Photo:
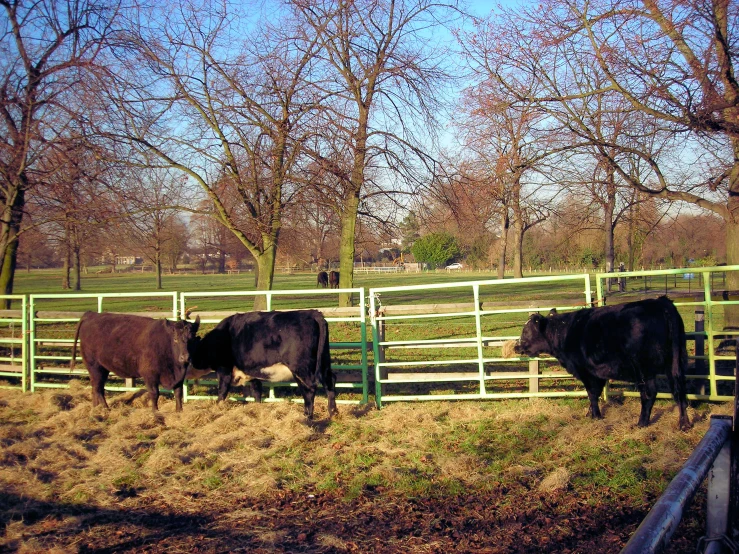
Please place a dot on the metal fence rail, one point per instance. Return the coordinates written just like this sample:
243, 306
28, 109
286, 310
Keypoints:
702, 290
51, 333
711, 455
477, 369
13, 344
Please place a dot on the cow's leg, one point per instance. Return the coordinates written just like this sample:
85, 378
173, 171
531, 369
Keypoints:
309, 395
178, 397
330, 386
677, 385
153, 389
648, 393
594, 386
256, 390
98, 377
224, 382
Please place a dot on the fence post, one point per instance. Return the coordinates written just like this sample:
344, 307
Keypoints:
700, 365
534, 381
717, 501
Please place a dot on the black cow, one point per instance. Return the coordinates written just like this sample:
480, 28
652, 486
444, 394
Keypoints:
635, 342
322, 279
333, 279
271, 346
156, 350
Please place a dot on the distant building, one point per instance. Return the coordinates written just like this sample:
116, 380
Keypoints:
128, 260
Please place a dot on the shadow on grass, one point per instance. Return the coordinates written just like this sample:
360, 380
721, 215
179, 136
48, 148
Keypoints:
91, 528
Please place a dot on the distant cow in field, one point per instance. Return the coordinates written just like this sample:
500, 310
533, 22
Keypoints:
635, 342
155, 350
322, 279
333, 279
271, 346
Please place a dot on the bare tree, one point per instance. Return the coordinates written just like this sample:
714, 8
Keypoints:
228, 113
388, 74
673, 62
46, 49
72, 202
150, 201
510, 142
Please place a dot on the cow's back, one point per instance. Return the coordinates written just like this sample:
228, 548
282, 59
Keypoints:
119, 342
627, 341
259, 338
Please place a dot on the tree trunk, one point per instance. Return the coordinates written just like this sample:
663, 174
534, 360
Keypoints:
265, 272
630, 242
505, 224
8, 270
158, 268
346, 248
66, 283
518, 229
610, 255
731, 313
10, 248
77, 267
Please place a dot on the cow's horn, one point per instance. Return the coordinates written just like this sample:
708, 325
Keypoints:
188, 311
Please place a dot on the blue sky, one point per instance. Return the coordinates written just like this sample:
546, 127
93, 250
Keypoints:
484, 7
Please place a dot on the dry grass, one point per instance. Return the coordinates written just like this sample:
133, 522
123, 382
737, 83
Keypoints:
60, 458
507, 349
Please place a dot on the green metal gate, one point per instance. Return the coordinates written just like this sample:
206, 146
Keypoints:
492, 312
701, 295
53, 319
14, 344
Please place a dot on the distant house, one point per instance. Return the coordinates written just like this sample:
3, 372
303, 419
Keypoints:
128, 260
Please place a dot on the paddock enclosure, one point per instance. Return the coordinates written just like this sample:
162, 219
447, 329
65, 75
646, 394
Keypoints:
431, 476
402, 342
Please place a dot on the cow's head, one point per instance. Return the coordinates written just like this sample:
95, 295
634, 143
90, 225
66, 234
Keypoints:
533, 339
184, 339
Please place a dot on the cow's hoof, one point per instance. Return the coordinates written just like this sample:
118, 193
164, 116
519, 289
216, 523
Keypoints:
685, 425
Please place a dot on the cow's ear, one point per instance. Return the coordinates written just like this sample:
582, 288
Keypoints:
196, 325
552, 312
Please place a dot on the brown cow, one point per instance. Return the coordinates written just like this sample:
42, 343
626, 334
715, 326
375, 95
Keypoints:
156, 350
333, 279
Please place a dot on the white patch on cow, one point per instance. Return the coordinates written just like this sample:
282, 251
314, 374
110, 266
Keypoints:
273, 373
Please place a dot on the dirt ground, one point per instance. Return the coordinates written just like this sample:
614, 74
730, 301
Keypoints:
74, 480
288, 522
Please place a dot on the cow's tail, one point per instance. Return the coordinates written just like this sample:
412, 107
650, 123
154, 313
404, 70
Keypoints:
676, 375
73, 361
323, 354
